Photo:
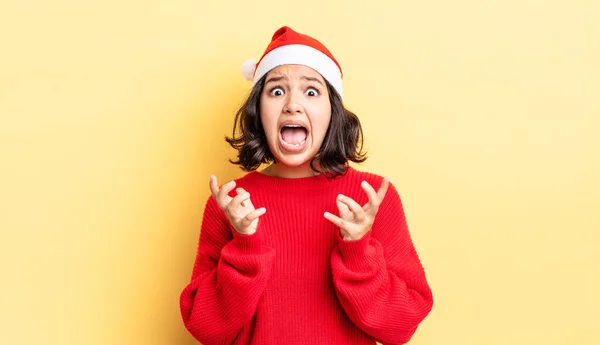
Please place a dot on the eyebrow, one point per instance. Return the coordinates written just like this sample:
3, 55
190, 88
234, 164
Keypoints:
312, 79
276, 79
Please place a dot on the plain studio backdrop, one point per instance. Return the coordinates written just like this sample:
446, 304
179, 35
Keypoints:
485, 114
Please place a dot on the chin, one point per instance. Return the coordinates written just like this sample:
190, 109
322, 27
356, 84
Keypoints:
293, 162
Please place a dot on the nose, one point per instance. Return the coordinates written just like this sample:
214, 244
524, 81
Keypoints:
292, 106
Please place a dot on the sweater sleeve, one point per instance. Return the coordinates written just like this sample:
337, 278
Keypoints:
379, 279
230, 274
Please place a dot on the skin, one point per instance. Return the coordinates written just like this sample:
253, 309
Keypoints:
297, 92
239, 210
355, 220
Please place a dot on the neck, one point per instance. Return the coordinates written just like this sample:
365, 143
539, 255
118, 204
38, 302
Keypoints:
283, 171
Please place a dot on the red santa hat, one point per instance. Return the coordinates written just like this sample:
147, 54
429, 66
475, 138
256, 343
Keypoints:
289, 47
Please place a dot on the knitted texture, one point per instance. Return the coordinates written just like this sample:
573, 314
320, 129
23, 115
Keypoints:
296, 281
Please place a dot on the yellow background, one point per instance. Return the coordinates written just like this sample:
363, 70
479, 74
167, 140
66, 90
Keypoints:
485, 114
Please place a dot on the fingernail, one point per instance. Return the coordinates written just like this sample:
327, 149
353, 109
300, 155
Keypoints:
340, 196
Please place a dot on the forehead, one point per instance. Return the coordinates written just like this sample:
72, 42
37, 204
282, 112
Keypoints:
295, 71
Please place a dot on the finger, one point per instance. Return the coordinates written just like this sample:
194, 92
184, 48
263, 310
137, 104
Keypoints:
235, 202
342, 224
383, 188
224, 191
349, 203
252, 216
371, 194
248, 203
343, 208
241, 190
245, 203
214, 186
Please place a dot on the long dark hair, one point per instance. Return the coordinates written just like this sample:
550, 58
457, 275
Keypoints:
343, 140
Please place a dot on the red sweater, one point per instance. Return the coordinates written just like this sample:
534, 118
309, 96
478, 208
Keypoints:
296, 281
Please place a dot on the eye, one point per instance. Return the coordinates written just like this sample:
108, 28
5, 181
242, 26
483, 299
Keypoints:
276, 91
312, 92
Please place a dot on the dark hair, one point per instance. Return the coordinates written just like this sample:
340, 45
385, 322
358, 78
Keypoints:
343, 140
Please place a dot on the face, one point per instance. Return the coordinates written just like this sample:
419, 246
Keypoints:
295, 112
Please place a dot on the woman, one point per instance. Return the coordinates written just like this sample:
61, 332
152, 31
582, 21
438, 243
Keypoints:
323, 258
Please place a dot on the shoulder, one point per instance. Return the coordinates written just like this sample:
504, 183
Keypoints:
373, 179
351, 184
391, 208
250, 179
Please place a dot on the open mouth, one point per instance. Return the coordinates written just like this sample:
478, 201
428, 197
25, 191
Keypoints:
293, 137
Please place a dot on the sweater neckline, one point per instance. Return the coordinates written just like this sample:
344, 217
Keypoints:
274, 181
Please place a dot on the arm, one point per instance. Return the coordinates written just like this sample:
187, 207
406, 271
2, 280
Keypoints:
229, 276
379, 279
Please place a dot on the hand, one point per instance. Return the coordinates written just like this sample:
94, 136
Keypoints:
239, 210
355, 221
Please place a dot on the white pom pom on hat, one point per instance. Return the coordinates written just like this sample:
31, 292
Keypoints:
248, 69
290, 47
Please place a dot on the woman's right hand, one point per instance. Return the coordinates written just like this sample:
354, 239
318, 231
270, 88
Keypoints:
239, 210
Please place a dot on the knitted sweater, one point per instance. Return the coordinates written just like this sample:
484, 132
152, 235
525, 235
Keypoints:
296, 281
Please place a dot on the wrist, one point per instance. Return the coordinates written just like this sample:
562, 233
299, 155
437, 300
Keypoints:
247, 242
359, 254
349, 237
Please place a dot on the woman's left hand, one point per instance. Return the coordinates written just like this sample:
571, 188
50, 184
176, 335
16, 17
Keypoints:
355, 221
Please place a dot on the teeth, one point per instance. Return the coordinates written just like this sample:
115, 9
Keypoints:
296, 145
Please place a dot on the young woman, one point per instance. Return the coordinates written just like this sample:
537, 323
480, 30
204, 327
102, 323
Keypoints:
308, 250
